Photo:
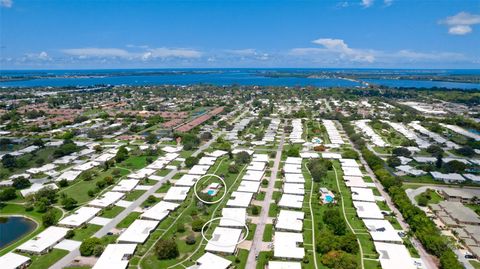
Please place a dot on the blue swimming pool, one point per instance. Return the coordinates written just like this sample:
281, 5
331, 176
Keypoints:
211, 192
328, 199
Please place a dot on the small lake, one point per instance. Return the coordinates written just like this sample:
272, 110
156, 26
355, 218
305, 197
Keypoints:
14, 228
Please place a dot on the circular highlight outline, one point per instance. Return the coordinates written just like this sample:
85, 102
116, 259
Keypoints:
206, 202
220, 245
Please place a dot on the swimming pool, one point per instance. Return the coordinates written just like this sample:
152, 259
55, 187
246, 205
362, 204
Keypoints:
328, 199
211, 192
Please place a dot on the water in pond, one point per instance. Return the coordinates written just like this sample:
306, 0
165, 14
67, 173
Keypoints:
14, 228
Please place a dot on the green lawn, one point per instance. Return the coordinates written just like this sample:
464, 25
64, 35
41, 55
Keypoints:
133, 195
112, 212
85, 232
268, 233
45, 261
128, 220
475, 264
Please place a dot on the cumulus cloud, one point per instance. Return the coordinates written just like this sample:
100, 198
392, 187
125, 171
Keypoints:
461, 23
340, 47
367, 3
6, 3
242, 52
337, 52
96, 52
145, 55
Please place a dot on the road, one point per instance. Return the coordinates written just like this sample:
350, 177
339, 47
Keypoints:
258, 237
65, 261
428, 260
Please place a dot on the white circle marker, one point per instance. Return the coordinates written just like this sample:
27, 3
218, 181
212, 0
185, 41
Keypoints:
220, 245
207, 202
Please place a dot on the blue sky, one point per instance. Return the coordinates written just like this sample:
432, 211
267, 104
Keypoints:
74, 34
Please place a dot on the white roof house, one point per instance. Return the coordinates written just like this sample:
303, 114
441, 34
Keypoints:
349, 163
292, 168
224, 240
257, 157
352, 181
394, 256
293, 160
70, 175
286, 245
368, 210
80, 216
86, 166
284, 265
171, 149
249, 186
233, 217
257, 166
452, 177
309, 155
13, 261
36, 187
126, 185
294, 178
253, 175
138, 231
240, 199
330, 155
115, 256
187, 180
289, 220
352, 171
107, 199
294, 188
217, 153
44, 241
362, 194
410, 170
176, 194
211, 261
291, 201
159, 211
42, 169
142, 173
207, 161
199, 169
382, 230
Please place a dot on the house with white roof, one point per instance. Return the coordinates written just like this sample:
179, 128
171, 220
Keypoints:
292, 168
284, 265
233, 217
257, 166
291, 201
115, 256
107, 199
286, 245
249, 186
394, 256
126, 185
187, 180
362, 194
294, 188
240, 199
253, 175
224, 240
451, 177
294, 178
44, 241
288, 220
199, 170
138, 231
368, 210
69, 175
211, 261
382, 231
178, 194
79, 217
159, 211
13, 260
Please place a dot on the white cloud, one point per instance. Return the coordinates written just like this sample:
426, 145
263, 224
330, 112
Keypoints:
42, 56
6, 3
96, 52
340, 47
460, 24
176, 53
388, 2
367, 3
145, 55
242, 52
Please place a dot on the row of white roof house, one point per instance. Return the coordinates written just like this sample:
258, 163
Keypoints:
393, 254
114, 255
239, 126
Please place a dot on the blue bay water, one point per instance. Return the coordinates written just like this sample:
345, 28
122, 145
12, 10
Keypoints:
220, 77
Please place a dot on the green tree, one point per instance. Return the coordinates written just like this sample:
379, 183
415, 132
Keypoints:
7, 194
166, 249
191, 161
21, 183
122, 154
88, 245
49, 218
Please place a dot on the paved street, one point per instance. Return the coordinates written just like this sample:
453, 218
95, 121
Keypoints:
257, 239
